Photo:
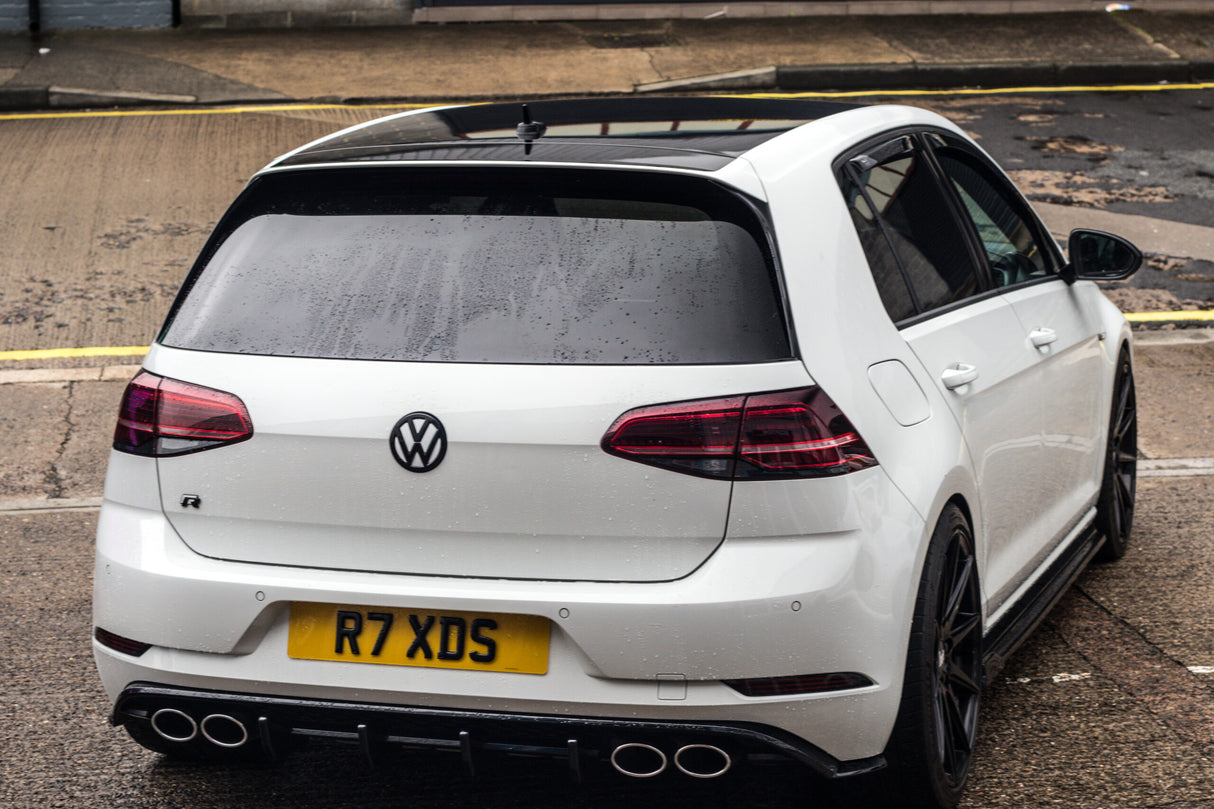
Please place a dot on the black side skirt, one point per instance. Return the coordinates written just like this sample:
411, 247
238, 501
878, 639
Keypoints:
1004, 638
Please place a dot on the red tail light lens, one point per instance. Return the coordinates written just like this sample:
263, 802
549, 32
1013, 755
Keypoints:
791, 434
800, 433
159, 417
700, 438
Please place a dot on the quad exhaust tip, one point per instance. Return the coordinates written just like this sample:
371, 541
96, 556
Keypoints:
702, 761
219, 729
224, 731
633, 759
174, 725
640, 760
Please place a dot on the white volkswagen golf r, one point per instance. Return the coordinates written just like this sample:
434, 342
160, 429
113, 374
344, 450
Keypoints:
663, 433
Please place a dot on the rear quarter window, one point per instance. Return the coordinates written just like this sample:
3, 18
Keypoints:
499, 266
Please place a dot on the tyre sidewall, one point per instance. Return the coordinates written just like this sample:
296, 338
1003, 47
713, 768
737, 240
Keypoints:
916, 768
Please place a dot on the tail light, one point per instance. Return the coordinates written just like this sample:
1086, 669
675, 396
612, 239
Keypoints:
159, 417
791, 434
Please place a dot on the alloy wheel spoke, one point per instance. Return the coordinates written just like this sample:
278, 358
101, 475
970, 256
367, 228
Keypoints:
957, 731
962, 679
960, 588
962, 629
1125, 423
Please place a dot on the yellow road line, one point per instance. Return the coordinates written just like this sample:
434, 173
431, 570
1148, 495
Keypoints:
976, 91
61, 353
132, 351
305, 107
31, 116
1160, 317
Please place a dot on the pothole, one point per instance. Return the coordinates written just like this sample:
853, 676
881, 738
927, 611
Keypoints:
1072, 188
1074, 145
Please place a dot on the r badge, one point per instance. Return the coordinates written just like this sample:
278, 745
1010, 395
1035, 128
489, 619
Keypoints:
418, 442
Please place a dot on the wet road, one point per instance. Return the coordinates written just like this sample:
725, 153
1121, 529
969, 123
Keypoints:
1110, 704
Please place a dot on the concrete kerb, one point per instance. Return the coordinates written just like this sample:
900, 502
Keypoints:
24, 98
988, 74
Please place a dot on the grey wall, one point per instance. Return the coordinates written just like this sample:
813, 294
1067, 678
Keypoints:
14, 14
293, 13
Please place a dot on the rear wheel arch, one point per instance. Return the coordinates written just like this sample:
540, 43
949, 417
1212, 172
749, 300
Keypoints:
931, 746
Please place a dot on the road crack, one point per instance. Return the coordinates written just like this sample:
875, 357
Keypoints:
54, 477
1160, 684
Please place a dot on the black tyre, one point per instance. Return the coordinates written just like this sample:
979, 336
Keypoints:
933, 740
1115, 509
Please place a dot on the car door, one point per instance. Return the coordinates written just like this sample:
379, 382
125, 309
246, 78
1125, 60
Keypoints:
1060, 331
967, 337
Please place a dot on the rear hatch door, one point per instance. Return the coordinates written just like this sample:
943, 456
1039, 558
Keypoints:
521, 490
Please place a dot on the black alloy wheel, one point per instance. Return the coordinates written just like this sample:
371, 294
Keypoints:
958, 656
1115, 509
932, 745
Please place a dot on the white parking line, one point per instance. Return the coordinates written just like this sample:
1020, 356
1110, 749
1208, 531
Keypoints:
1052, 678
1175, 467
44, 505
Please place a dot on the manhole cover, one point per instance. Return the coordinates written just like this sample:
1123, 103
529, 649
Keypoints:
646, 40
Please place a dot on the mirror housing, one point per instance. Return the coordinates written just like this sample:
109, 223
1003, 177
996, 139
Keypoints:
1099, 256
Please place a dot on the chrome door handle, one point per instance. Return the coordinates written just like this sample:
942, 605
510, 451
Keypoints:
1042, 337
957, 375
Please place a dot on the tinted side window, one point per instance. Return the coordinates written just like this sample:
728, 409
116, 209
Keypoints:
1014, 253
887, 273
578, 267
918, 223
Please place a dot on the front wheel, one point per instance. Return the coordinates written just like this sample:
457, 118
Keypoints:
1115, 508
932, 744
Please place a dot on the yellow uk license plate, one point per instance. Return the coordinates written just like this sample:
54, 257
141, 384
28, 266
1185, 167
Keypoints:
408, 637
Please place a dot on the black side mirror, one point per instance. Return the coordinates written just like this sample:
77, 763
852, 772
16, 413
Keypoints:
1099, 256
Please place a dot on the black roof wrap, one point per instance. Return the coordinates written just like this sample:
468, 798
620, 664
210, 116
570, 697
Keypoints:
685, 132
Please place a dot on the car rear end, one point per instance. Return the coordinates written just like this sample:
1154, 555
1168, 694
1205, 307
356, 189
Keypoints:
498, 458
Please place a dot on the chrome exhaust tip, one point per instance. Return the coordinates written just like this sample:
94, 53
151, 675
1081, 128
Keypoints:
174, 725
637, 760
222, 730
702, 760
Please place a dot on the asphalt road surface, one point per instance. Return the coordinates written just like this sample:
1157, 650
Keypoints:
1110, 704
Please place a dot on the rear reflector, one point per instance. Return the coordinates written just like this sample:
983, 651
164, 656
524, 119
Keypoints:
120, 644
790, 434
159, 417
799, 684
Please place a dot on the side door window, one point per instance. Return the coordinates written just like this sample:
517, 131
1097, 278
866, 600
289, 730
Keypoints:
918, 254
1014, 247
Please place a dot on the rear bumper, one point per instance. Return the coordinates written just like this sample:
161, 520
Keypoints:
269, 721
775, 600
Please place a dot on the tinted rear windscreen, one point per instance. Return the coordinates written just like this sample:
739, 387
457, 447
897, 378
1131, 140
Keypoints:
533, 266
